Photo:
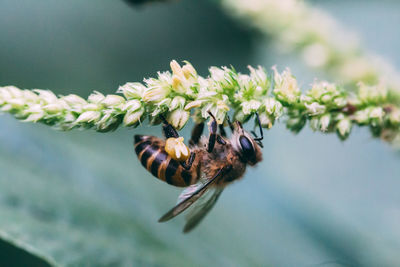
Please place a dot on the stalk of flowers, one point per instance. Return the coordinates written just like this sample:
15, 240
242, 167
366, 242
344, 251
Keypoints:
182, 93
317, 37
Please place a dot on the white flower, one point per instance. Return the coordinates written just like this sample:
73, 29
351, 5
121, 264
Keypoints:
362, 116
177, 102
132, 90
48, 96
286, 86
88, 116
344, 127
193, 104
259, 76
154, 94
377, 113
73, 100
395, 116
324, 122
273, 107
113, 100
217, 74
96, 97
178, 118
315, 108
132, 117
250, 106
132, 105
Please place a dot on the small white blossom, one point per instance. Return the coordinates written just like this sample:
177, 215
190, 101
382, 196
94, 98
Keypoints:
132, 105
377, 113
113, 100
88, 116
132, 117
177, 102
286, 87
96, 97
315, 108
49, 97
324, 122
178, 118
344, 127
132, 90
250, 106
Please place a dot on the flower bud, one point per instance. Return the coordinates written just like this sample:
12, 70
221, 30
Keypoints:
96, 97
132, 117
178, 118
193, 104
132, 90
176, 68
132, 105
47, 96
189, 71
113, 100
324, 122
266, 120
154, 94
315, 108
249, 107
73, 100
344, 127
88, 116
53, 108
177, 102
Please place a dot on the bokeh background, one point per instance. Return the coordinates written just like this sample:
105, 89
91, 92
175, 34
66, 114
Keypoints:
81, 198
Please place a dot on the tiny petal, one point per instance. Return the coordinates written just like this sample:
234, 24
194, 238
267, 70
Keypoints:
315, 108
132, 118
113, 100
88, 116
178, 118
344, 127
177, 102
132, 90
96, 97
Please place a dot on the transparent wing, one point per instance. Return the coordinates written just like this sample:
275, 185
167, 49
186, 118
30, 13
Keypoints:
189, 196
201, 208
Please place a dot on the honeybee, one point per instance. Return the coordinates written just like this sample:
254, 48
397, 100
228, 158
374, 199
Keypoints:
205, 168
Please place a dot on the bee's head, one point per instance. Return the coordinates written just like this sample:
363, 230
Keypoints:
243, 143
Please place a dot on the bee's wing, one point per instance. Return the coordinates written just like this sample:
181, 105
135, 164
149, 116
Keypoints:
189, 196
201, 208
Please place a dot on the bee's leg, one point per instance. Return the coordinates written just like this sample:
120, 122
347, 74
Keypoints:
168, 129
189, 163
222, 130
213, 133
196, 133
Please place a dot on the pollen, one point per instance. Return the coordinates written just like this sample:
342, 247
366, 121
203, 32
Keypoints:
176, 148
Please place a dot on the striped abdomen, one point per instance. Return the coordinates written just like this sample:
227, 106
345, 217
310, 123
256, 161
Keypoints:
151, 153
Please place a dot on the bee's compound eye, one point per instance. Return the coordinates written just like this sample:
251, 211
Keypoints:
176, 148
247, 147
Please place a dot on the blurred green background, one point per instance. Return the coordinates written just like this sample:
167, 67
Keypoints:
81, 198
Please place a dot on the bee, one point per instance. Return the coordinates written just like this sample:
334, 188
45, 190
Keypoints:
205, 168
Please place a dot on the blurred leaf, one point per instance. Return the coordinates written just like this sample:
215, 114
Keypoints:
20, 254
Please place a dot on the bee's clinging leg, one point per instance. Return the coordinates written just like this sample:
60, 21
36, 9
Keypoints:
213, 133
189, 163
222, 130
196, 133
168, 129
